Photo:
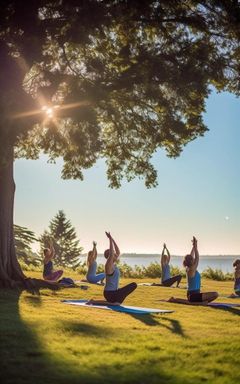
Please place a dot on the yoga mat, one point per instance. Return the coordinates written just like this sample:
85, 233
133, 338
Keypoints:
223, 305
213, 304
84, 287
118, 308
159, 285
85, 281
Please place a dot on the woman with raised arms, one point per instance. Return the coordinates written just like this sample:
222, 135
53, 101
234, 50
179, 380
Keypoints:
167, 280
112, 293
48, 271
92, 276
194, 295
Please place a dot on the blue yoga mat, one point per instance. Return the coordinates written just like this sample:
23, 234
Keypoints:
118, 308
223, 305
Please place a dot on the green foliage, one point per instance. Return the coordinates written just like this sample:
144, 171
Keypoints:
217, 274
30, 267
64, 239
23, 241
153, 270
129, 76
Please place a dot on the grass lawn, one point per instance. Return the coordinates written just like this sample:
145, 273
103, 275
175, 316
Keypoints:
45, 341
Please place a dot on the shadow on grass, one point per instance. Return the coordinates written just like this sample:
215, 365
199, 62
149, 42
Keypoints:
152, 320
34, 301
174, 327
146, 319
234, 311
85, 329
24, 359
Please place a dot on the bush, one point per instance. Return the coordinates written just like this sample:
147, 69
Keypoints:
217, 274
128, 271
30, 267
152, 271
82, 268
177, 271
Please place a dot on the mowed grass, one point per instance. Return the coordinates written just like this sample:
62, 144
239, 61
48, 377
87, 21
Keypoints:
46, 341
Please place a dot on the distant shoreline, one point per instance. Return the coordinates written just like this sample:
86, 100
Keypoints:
135, 255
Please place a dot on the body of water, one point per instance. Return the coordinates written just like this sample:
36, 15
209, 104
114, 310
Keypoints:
216, 262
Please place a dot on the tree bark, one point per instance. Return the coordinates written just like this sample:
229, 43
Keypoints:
11, 274
10, 270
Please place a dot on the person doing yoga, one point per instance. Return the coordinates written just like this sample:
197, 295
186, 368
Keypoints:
92, 276
48, 272
236, 265
166, 279
195, 297
190, 262
112, 293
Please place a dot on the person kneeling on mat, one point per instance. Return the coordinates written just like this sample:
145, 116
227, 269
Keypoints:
166, 278
236, 265
190, 262
113, 294
48, 272
92, 276
111, 291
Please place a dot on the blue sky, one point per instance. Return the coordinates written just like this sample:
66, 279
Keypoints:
198, 194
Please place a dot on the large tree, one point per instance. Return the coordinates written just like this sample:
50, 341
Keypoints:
128, 76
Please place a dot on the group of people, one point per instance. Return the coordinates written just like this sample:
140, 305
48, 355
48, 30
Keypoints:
115, 295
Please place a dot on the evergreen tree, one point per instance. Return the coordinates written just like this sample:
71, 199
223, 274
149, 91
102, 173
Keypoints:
23, 241
64, 239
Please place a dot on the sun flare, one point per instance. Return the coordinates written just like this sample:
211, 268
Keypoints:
50, 110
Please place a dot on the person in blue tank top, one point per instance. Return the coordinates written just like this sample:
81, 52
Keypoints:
236, 265
166, 278
92, 276
112, 293
190, 262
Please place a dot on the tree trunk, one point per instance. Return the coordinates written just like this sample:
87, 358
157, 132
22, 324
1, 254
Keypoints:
11, 274
10, 270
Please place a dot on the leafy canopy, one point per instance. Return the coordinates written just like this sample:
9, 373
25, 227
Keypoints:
129, 76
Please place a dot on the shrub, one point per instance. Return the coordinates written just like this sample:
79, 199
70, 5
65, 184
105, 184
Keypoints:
216, 274
152, 271
30, 267
177, 271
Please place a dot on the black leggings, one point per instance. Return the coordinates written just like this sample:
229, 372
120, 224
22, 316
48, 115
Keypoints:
195, 296
172, 280
120, 294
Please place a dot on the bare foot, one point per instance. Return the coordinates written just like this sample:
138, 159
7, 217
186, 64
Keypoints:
172, 299
233, 296
90, 302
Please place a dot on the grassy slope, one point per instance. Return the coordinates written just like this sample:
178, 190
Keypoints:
46, 341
